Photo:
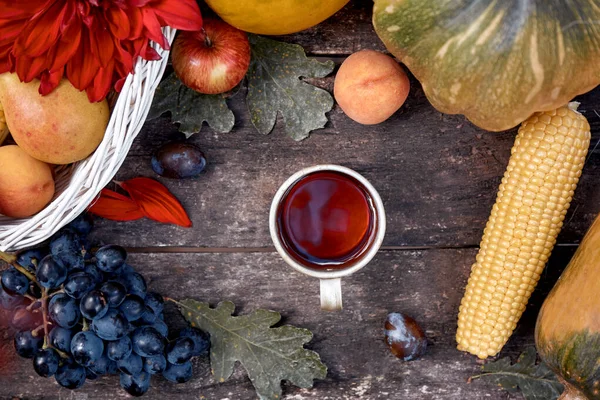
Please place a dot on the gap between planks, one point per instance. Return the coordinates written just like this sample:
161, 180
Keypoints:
271, 249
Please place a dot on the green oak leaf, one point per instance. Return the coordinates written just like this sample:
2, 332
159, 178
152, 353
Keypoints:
190, 108
269, 355
536, 381
274, 85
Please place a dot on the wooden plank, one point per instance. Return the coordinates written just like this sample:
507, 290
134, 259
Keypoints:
425, 284
437, 174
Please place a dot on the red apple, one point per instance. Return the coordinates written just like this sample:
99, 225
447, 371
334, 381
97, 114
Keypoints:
213, 60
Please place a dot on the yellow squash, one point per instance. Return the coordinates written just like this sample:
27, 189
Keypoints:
567, 333
275, 17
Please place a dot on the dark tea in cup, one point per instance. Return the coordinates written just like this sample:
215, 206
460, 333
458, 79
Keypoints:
326, 220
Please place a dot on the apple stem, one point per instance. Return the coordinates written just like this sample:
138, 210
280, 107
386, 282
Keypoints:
207, 40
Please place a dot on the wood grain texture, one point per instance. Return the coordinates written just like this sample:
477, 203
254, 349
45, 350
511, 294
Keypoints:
346, 32
437, 175
424, 284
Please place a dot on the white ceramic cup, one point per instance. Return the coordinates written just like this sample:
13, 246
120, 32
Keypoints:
331, 287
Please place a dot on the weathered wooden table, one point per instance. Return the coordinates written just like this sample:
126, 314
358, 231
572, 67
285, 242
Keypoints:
437, 175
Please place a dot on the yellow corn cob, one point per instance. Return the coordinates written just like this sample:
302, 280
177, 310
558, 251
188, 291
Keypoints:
533, 198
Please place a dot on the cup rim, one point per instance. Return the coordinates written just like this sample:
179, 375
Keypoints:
366, 257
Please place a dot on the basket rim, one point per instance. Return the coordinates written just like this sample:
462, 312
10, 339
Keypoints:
79, 184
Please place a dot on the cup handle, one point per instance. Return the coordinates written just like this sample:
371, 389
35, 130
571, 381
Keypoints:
331, 294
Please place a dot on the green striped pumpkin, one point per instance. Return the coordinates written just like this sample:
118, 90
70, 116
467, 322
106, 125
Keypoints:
495, 61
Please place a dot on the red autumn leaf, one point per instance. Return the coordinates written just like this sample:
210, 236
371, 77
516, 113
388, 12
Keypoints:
116, 207
156, 201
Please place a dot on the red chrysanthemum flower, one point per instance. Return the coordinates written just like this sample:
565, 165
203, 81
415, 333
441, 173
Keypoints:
93, 43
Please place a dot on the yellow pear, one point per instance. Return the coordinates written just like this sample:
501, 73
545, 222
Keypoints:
59, 128
26, 184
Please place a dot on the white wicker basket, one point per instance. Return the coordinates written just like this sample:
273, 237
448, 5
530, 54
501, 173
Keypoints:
77, 185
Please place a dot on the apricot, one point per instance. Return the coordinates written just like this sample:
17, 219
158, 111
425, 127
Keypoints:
370, 87
59, 128
26, 184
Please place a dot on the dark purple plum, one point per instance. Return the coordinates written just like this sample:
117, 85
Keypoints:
178, 160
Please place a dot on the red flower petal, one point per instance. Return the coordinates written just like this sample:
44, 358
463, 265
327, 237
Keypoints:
116, 207
136, 22
136, 46
156, 201
7, 61
70, 15
30, 68
50, 80
68, 44
10, 10
139, 3
183, 14
119, 84
10, 30
123, 58
83, 8
119, 22
102, 83
82, 68
101, 45
4, 51
94, 43
5, 64
147, 52
41, 31
152, 27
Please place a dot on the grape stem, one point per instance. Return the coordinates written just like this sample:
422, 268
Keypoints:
55, 293
44, 300
12, 260
37, 330
22, 270
85, 325
35, 301
30, 297
8, 258
60, 353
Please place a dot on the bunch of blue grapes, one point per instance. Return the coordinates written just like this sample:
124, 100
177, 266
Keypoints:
81, 315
